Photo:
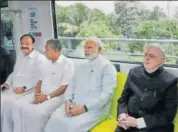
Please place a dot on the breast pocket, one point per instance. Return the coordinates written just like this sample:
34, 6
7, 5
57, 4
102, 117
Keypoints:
96, 80
56, 78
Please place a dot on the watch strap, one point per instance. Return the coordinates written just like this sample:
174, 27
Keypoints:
85, 107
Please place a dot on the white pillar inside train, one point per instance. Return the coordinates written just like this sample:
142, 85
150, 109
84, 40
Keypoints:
23, 13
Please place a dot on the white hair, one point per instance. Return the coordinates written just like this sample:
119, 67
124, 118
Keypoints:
96, 40
155, 45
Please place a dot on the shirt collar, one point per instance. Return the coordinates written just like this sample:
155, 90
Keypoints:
95, 59
59, 60
32, 54
155, 73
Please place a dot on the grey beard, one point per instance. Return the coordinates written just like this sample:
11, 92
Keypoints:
91, 57
152, 70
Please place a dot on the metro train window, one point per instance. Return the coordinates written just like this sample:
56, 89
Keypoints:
123, 26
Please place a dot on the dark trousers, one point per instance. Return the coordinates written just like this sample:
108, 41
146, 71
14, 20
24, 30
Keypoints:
118, 129
169, 128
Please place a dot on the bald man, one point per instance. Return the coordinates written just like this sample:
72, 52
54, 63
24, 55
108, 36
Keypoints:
25, 74
88, 95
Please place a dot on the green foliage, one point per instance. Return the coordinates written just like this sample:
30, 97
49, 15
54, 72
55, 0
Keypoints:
130, 19
71, 18
154, 30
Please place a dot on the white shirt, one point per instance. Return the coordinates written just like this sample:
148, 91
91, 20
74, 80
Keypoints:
26, 70
53, 75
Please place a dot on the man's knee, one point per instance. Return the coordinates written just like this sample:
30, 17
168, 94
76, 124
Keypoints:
7, 103
74, 127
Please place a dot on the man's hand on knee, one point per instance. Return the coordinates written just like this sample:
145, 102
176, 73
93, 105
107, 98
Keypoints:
4, 86
68, 107
40, 98
78, 109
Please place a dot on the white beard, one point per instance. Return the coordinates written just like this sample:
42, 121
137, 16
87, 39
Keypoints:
152, 70
91, 57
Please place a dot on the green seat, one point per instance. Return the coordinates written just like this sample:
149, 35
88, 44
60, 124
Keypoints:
109, 124
176, 123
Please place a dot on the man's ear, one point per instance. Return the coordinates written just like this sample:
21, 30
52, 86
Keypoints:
163, 60
100, 49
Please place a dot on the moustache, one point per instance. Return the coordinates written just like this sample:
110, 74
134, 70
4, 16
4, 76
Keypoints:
24, 48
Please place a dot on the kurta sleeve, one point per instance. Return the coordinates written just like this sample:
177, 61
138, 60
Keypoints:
123, 101
168, 113
108, 84
68, 72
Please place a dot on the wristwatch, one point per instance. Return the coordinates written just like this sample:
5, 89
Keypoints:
48, 97
85, 107
24, 87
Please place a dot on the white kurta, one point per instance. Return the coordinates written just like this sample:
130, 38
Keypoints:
25, 73
92, 85
29, 117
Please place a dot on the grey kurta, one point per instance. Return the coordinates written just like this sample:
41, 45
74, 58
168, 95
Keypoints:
92, 85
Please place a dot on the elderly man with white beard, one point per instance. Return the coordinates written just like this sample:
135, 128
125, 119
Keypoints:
89, 94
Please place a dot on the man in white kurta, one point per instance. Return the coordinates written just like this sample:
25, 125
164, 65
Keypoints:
88, 96
31, 113
25, 74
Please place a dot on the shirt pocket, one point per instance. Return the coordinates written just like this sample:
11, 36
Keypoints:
56, 78
96, 80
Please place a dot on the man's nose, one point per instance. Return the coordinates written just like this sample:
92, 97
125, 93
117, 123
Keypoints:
147, 58
86, 50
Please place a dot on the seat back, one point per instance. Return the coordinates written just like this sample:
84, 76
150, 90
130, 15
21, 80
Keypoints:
121, 79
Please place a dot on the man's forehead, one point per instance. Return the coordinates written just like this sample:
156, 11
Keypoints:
90, 43
152, 50
26, 38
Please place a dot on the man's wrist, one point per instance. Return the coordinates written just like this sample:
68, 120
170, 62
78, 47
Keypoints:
48, 97
141, 123
122, 115
6, 84
24, 87
85, 107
